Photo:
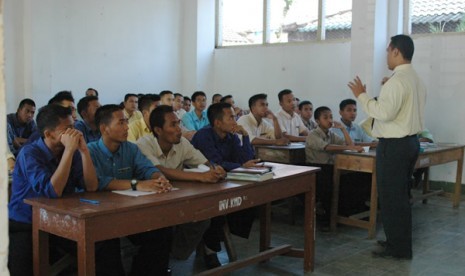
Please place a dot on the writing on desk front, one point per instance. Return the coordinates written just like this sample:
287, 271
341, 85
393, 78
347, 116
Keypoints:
230, 202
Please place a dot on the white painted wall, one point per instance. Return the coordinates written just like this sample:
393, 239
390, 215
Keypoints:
115, 46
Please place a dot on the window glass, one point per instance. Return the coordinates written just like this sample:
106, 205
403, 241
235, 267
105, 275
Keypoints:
293, 20
437, 16
242, 22
338, 19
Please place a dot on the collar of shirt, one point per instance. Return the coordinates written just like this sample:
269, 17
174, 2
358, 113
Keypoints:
402, 67
348, 126
253, 120
203, 115
218, 139
285, 114
321, 132
105, 150
159, 151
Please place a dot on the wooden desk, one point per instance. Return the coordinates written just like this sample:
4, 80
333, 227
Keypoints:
119, 216
292, 154
366, 162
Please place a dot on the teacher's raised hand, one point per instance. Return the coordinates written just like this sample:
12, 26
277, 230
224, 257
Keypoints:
357, 87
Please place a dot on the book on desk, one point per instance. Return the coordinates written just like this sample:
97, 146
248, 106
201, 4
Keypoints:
251, 174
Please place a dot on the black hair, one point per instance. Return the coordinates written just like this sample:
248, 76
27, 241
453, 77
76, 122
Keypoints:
147, 100
165, 92
282, 93
227, 97
26, 101
301, 104
198, 94
49, 117
404, 44
215, 112
177, 95
215, 95
187, 99
104, 114
62, 96
83, 103
157, 117
346, 102
93, 89
127, 96
319, 111
255, 98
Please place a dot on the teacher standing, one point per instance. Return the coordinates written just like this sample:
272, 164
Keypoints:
399, 116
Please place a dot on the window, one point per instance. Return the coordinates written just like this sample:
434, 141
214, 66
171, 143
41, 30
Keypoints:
437, 16
248, 22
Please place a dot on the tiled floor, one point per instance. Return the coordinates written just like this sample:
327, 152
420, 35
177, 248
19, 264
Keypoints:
438, 246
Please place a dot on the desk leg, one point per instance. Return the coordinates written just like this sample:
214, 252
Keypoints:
265, 227
335, 199
40, 246
373, 206
458, 182
86, 257
309, 228
426, 184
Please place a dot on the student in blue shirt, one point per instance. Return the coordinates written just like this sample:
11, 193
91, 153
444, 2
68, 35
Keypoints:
348, 112
221, 145
55, 164
197, 118
86, 108
121, 166
21, 125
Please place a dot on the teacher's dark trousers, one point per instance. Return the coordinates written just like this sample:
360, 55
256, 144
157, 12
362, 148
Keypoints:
395, 161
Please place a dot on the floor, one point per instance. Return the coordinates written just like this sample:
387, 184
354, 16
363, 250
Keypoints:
438, 246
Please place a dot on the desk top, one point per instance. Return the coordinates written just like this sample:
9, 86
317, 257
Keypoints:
433, 149
112, 202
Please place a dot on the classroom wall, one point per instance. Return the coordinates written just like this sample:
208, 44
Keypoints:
115, 46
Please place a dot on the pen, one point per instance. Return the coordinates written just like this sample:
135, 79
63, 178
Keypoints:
91, 201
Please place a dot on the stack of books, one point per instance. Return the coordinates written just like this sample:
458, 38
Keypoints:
256, 174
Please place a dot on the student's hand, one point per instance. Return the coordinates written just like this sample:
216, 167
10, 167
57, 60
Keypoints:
270, 114
220, 170
356, 148
338, 125
251, 163
82, 144
159, 185
11, 164
70, 139
18, 142
282, 142
211, 176
384, 80
357, 87
240, 130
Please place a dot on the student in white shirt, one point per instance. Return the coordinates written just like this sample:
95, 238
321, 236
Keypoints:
290, 122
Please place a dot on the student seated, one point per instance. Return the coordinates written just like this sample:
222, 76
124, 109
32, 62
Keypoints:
230, 100
260, 131
21, 125
221, 145
141, 127
170, 153
197, 118
87, 107
290, 122
120, 166
130, 104
306, 113
55, 164
91, 92
186, 104
166, 97
216, 98
321, 145
348, 112
177, 105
